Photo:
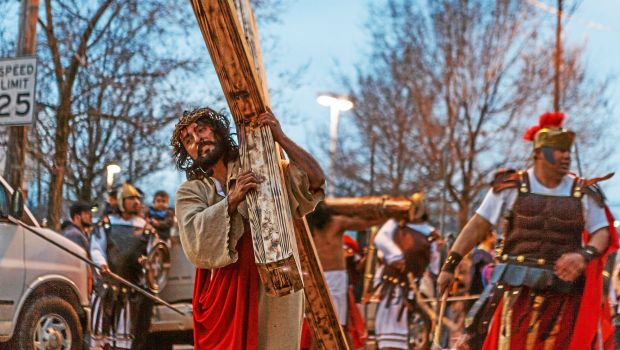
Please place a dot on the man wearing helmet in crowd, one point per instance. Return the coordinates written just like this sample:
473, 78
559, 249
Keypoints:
546, 291
231, 309
121, 319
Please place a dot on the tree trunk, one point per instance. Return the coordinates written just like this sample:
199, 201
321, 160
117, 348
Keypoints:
85, 191
54, 204
464, 208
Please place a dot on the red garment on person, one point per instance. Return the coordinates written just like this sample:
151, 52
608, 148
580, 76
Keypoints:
356, 327
585, 312
226, 303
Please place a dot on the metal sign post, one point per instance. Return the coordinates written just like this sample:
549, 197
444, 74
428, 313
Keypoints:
17, 89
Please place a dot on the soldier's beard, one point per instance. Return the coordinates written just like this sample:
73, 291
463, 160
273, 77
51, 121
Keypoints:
210, 158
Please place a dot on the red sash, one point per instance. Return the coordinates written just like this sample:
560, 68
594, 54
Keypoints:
594, 309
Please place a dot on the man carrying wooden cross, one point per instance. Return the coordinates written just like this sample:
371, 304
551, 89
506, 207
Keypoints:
231, 309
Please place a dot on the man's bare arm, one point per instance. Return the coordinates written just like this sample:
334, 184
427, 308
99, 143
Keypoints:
305, 162
473, 233
600, 239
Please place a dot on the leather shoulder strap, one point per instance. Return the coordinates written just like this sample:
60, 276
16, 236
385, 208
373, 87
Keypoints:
591, 188
505, 179
595, 180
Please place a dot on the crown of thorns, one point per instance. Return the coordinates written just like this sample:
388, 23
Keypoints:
217, 120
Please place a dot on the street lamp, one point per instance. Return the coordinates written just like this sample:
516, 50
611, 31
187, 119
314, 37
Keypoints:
336, 104
111, 169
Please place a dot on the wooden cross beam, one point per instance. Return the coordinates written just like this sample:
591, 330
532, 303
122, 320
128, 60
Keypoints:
375, 207
239, 68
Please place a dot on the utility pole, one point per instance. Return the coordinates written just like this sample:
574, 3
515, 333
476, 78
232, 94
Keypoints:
557, 86
558, 59
15, 162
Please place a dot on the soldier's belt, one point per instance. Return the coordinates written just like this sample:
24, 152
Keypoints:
541, 278
526, 261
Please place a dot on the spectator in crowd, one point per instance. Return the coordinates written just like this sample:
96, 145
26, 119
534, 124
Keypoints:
111, 204
482, 256
160, 215
79, 227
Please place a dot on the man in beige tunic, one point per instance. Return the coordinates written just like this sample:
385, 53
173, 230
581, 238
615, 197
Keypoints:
230, 307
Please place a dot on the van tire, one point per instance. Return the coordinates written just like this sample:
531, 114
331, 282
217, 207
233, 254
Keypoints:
54, 313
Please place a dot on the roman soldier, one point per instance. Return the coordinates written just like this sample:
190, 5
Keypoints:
407, 249
546, 291
121, 244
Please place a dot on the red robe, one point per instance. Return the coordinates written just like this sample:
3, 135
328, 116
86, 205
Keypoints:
226, 303
591, 310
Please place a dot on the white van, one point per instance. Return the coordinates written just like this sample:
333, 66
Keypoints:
43, 289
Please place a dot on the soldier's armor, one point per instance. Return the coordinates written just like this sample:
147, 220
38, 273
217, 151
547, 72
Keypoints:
125, 245
542, 226
416, 248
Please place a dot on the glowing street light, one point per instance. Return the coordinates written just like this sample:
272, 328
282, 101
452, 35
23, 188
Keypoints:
111, 169
336, 104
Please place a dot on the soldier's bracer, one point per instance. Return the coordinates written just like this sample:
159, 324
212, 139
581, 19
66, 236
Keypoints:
452, 261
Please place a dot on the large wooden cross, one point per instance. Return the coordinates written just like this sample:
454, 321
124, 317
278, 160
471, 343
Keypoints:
229, 31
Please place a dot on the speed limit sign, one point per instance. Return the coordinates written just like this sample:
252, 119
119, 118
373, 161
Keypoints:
17, 83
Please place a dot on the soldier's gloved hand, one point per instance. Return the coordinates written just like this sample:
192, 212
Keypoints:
569, 266
444, 281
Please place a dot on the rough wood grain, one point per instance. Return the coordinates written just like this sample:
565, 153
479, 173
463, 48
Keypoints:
270, 218
327, 333
373, 207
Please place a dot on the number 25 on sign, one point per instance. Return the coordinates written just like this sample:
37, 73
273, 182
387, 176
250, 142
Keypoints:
17, 88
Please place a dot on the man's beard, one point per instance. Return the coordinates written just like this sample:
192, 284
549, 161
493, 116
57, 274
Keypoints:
86, 224
208, 160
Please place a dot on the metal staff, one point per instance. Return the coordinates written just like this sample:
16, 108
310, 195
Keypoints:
442, 310
92, 264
